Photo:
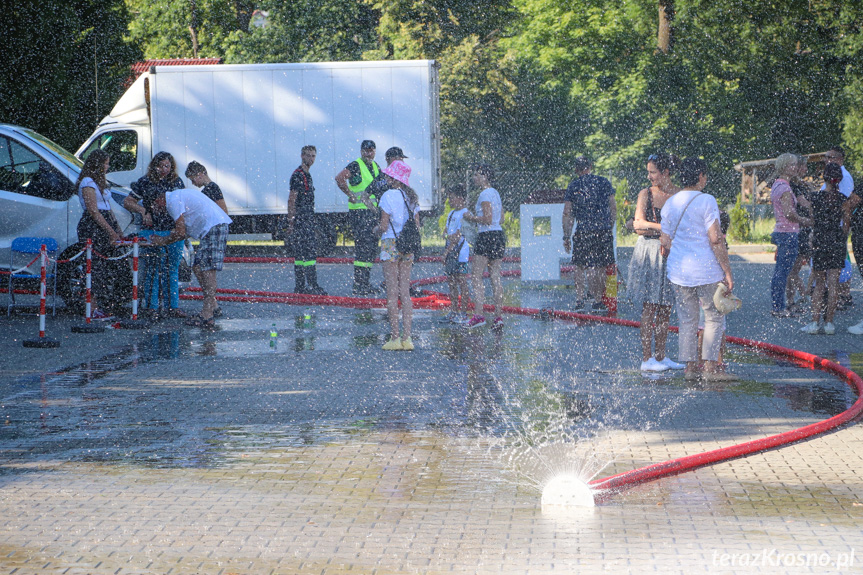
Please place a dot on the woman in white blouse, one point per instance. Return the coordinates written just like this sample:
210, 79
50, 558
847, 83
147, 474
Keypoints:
697, 263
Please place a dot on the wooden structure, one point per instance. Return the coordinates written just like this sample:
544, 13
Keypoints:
757, 177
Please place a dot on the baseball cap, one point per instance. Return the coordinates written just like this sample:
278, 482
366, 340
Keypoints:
368, 145
395, 152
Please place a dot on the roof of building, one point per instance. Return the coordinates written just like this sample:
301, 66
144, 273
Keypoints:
139, 68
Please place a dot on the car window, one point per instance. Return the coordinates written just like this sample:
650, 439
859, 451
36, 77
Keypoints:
121, 145
24, 172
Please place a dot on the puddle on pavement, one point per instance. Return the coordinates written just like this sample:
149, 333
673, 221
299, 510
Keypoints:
533, 382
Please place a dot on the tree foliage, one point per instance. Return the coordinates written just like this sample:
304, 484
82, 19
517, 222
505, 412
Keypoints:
64, 65
743, 79
299, 31
525, 84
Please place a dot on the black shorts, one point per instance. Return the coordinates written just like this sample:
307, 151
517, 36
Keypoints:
490, 245
592, 248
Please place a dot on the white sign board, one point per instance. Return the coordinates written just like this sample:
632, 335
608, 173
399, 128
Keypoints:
541, 241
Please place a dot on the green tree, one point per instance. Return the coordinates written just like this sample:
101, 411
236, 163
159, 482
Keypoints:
846, 18
741, 80
163, 29
305, 31
493, 109
65, 63
289, 32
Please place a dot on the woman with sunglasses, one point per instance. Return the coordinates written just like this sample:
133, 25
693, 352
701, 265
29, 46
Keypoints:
647, 282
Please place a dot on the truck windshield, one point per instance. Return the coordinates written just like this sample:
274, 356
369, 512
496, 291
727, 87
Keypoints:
61, 152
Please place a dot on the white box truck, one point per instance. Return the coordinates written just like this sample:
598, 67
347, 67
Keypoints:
247, 123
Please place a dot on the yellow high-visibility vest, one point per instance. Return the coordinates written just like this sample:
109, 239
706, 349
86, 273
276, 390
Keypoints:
367, 178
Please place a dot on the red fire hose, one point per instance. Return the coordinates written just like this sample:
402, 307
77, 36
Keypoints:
607, 486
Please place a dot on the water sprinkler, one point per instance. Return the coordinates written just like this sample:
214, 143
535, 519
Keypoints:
567, 490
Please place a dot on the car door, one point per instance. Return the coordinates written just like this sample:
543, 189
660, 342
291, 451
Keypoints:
34, 197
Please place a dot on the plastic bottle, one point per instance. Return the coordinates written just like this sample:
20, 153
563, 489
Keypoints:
274, 338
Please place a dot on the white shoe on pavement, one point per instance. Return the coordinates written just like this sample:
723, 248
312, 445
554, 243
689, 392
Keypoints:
666, 361
829, 328
856, 329
653, 365
811, 328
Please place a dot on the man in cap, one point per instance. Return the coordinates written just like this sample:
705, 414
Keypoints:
355, 181
589, 202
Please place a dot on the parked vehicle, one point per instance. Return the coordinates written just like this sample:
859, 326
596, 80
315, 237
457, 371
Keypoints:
38, 198
247, 123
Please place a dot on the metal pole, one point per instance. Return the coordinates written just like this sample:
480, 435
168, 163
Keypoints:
135, 278
88, 307
44, 256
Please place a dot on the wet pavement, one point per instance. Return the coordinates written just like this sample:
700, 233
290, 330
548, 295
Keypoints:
176, 450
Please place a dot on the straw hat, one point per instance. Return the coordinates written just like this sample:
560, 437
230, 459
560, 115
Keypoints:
726, 302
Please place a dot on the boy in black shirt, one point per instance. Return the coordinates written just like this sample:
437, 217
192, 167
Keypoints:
197, 174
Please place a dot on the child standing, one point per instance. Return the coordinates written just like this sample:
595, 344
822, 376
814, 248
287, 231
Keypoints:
456, 256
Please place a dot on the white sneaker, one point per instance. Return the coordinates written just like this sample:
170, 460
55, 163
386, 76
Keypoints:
829, 328
448, 318
811, 328
653, 365
461, 319
666, 361
856, 329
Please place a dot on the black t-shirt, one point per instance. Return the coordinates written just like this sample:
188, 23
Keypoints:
590, 207
152, 195
378, 186
356, 176
301, 183
213, 191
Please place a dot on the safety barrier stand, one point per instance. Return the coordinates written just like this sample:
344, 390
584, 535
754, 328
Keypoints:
42, 341
134, 322
88, 326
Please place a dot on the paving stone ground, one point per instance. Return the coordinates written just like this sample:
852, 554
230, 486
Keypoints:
177, 451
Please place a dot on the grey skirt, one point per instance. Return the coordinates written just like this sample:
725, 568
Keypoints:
647, 281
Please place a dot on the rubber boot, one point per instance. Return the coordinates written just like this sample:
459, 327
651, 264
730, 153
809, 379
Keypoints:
359, 288
300, 277
367, 283
312, 281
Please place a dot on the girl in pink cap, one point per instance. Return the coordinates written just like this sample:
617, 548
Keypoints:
398, 204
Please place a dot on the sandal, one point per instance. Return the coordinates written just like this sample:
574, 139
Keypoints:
198, 321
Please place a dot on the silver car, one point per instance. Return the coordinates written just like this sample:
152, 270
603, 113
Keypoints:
38, 198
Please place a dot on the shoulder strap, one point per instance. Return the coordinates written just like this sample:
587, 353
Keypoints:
680, 219
448, 220
410, 215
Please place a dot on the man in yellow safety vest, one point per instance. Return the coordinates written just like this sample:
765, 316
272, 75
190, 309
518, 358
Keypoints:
363, 213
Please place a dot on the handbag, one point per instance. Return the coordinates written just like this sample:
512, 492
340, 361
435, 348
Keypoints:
724, 302
409, 241
662, 249
451, 263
